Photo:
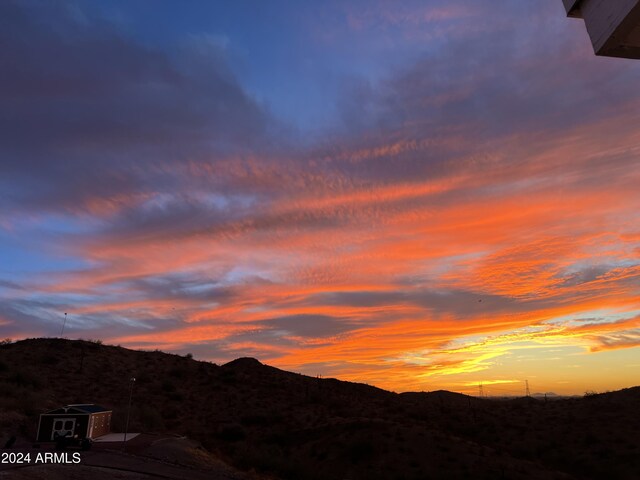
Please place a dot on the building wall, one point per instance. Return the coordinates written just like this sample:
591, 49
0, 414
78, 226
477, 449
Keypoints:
101, 424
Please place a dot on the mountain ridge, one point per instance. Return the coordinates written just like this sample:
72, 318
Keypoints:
289, 425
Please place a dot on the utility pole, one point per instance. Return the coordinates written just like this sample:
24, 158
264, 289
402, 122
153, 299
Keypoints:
527, 392
63, 323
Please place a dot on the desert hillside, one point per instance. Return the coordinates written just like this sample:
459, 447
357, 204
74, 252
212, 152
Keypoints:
291, 426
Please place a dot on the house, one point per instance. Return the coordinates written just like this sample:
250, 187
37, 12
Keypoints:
613, 25
84, 420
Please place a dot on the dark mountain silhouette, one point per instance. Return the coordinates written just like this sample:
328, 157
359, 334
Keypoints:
296, 427
244, 363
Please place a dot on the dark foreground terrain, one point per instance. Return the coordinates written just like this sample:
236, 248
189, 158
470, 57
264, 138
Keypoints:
286, 425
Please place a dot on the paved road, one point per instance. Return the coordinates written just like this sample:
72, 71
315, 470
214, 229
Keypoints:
152, 467
116, 461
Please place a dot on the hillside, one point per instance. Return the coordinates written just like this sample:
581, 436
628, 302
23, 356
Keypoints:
297, 427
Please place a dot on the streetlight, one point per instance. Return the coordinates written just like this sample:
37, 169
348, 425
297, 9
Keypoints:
126, 426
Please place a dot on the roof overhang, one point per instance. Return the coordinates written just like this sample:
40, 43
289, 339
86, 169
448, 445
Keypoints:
573, 8
613, 25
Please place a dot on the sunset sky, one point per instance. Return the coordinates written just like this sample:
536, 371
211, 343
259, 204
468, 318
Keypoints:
416, 195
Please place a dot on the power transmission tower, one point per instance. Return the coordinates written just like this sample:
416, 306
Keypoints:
480, 390
527, 392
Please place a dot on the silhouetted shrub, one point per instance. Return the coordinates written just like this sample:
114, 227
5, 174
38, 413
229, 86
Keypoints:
231, 433
177, 372
168, 386
255, 419
19, 399
228, 377
49, 359
24, 379
590, 439
176, 396
171, 413
278, 438
360, 450
150, 418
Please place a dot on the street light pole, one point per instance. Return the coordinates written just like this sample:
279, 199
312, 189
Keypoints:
126, 426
